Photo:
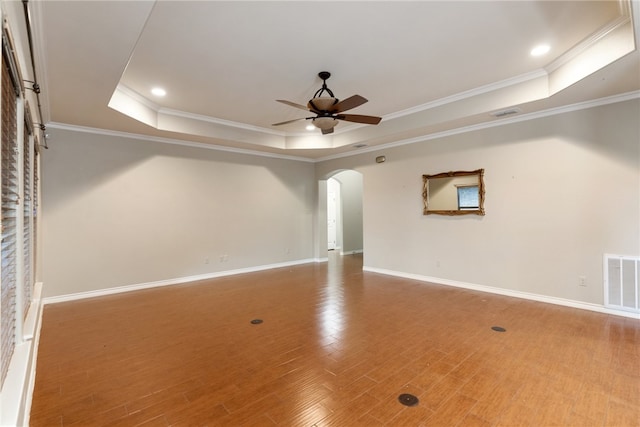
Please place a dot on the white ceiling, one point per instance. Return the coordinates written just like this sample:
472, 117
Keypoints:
425, 66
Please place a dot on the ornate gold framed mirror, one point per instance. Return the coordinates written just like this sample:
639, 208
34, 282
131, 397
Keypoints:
454, 193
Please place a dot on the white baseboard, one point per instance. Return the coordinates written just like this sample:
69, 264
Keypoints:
170, 282
353, 252
506, 292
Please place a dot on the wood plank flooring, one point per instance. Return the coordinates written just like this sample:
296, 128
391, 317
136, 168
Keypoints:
336, 348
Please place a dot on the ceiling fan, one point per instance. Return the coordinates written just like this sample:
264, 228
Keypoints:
328, 109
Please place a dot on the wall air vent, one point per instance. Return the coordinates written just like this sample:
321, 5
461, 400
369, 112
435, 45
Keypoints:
507, 112
622, 282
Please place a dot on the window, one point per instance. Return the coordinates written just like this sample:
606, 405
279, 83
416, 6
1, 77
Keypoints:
10, 199
468, 197
18, 213
27, 213
34, 210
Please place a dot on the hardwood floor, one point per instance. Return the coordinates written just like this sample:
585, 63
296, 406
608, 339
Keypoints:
336, 348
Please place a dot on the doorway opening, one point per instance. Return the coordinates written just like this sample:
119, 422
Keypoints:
333, 194
345, 212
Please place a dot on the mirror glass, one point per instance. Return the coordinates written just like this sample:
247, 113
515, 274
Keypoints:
454, 193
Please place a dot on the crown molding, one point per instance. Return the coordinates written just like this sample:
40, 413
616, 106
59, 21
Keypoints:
492, 87
590, 41
523, 78
217, 121
495, 123
127, 91
192, 144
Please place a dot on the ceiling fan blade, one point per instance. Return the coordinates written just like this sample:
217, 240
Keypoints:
293, 104
358, 118
349, 103
326, 131
289, 121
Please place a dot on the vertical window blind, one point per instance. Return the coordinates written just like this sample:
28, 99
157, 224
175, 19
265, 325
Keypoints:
18, 203
34, 210
26, 214
10, 200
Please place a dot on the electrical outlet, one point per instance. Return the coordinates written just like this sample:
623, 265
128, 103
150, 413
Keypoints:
582, 281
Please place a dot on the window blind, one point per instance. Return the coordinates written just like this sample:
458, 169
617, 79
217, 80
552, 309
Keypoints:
34, 208
9, 204
27, 289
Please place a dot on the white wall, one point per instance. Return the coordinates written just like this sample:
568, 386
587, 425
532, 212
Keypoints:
560, 192
120, 211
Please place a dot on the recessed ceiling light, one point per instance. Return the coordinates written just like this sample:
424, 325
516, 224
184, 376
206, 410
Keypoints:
158, 91
540, 50
310, 127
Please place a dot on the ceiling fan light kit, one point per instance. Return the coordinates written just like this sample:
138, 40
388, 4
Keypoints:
324, 123
328, 108
322, 103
